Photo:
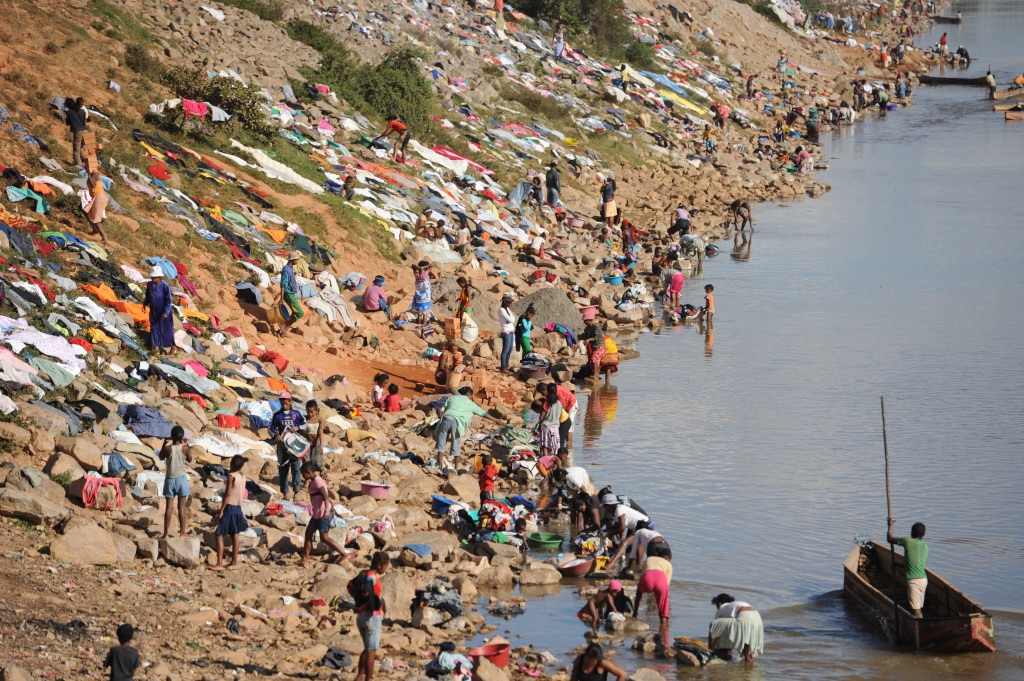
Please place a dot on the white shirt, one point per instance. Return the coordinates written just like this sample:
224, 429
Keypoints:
632, 516
641, 539
731, 609
576, 478
506, 320
462, 235
537, 243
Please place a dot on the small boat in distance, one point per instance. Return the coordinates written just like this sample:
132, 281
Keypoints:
1008, 106
952, 80
948, 20
1014, 115
952, 622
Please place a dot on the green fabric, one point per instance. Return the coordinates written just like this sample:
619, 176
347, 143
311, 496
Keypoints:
462, 409
916, 552
293, 303
236, 217
509, 435
59, 376
19, 193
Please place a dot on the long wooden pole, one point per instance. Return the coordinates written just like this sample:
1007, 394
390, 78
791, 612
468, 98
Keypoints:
888, 506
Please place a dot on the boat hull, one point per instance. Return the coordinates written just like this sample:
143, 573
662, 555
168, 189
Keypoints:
947, 20
1009, 94
952, 623
952, 80
1014, 115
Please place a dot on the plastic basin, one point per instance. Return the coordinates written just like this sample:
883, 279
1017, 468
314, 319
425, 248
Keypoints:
495, 653
439, 504
614, 280
577, 567
376, 490
533, 373
545, 541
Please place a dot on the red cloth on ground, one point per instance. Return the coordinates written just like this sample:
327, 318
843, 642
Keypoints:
238, 254
159, 172
84, 343
187, 285
233, 330
45, 247
192, 329
277, 358
228, 421
198, 399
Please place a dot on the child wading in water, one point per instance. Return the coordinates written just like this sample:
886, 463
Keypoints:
708, 311
230, 521
320, 518
175, 452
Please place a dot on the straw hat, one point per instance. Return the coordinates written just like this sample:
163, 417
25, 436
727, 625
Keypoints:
156, 272
294, 255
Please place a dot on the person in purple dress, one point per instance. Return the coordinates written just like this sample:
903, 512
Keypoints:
161, 321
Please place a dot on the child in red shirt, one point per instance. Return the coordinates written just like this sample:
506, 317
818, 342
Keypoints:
393, 402
488, 472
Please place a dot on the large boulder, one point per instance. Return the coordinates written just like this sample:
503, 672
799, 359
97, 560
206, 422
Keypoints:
538, 576
496, 577
125, 549
501, 554
15, 434
441, 543
487, 671
59, 464
33, 480
35, 509
463, 488
398, 589
551, 305
81, 450
14, 673
85, 544
183, 552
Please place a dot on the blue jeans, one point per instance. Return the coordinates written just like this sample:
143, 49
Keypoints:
552, 196
508, 342
448, 427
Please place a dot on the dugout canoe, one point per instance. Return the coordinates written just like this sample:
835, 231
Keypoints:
952, 80
1014, 115
1007, 106
947, 20
1009, 94
952, 622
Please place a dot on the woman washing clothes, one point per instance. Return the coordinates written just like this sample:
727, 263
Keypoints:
736, 629
591, 666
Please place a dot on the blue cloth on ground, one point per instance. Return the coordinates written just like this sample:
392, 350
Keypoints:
145, 421
421, 550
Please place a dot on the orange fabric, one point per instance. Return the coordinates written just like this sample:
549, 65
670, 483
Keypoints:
139, 316
276, 385
103, 292
41, 188
278, 235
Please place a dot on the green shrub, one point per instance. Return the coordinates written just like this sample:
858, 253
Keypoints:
640, 55
242, 101
599, 22
764, 8
269, 10
539, 105
705, 46
63, 479
139, 60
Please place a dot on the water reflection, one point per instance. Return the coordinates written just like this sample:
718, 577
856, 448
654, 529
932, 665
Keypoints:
602, 408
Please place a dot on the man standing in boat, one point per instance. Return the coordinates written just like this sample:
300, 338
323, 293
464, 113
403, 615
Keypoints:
915, 555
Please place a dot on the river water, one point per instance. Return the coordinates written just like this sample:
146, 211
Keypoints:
758, 450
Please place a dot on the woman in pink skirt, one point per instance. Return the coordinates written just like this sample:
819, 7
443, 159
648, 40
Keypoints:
674, 289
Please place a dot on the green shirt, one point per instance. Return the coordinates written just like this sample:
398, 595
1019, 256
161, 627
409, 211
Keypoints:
462, 409
916, 552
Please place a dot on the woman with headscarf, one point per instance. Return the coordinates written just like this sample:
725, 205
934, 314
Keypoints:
161, 322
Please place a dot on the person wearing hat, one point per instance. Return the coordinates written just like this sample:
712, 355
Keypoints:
161, 321
553, 183
622, 518
375, 299
287, 420
290, 288
600, 604
423, 228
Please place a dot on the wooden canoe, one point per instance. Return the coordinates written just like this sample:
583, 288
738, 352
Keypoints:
947, 20
1009, 94
952, 80
952, 622
1014, 115
1008, 106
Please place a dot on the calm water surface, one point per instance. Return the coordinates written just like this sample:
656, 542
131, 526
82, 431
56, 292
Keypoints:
758, 450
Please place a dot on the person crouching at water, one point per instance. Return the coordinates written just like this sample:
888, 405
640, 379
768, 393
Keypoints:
591, 666
739, 211
600, 604
736, 627
656, 577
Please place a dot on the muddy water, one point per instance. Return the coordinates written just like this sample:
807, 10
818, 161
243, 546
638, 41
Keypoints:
758, 449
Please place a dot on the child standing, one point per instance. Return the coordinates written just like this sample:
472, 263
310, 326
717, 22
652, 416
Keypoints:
488, 473
122, 659
674, 289
708, 311
316, 428
393, 402
523, 328
230, 521
321, 515
380, 384
709, 139
550, 440
175, 452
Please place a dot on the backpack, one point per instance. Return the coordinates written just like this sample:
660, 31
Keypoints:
362, 592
